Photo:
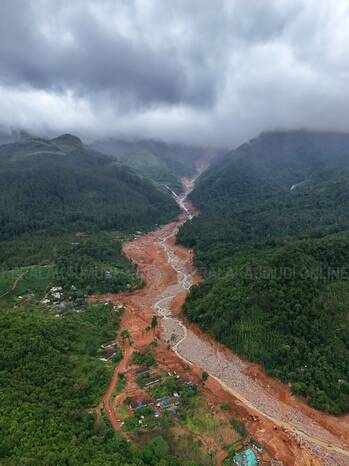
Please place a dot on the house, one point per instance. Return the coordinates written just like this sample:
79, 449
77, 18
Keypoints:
140, 404
60, 314
55, 289
165, 406
109, 344
257, 446
108, 354
153, 380
28, 296
60, 306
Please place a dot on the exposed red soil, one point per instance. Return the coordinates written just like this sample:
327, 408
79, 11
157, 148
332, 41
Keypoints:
279, 441
108, 396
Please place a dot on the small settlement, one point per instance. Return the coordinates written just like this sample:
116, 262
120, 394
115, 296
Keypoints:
109, 350
153, 401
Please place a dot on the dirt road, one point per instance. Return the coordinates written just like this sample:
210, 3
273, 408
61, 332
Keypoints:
109, 394
293, 433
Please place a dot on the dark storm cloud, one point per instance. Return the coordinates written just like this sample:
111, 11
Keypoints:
91, 59
209, 71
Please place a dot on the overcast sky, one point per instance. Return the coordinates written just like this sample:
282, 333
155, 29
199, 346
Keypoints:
203, 71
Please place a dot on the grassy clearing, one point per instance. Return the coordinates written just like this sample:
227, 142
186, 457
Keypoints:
122, 411
24, 281
187, 448
239, 426
202, 424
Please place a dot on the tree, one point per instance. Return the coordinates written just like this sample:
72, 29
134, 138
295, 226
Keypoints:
125, 335
159, 447
154, 322
204, 376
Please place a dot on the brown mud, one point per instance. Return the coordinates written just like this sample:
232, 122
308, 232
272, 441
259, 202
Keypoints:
291, 432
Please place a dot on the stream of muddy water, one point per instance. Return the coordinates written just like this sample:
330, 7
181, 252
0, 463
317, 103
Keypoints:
168, 274
231, 372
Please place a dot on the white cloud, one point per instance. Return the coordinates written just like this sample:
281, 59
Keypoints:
209, 72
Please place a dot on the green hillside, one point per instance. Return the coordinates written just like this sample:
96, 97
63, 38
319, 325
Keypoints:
65, 211
273, 244
164, 163
61, 185
51, 381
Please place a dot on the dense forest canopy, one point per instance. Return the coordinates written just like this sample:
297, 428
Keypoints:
51, 382
272, 243
65, 210
61, 185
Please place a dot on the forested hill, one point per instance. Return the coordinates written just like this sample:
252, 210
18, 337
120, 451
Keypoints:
285, 157
279, 184
272, 241
165, 163
65, 210
61, 185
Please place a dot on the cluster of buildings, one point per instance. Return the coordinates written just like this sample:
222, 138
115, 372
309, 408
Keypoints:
109, 350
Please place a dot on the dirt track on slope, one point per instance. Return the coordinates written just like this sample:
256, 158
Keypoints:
290, 431
108, 396
14, 285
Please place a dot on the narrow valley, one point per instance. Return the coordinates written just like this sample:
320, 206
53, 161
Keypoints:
289, 431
